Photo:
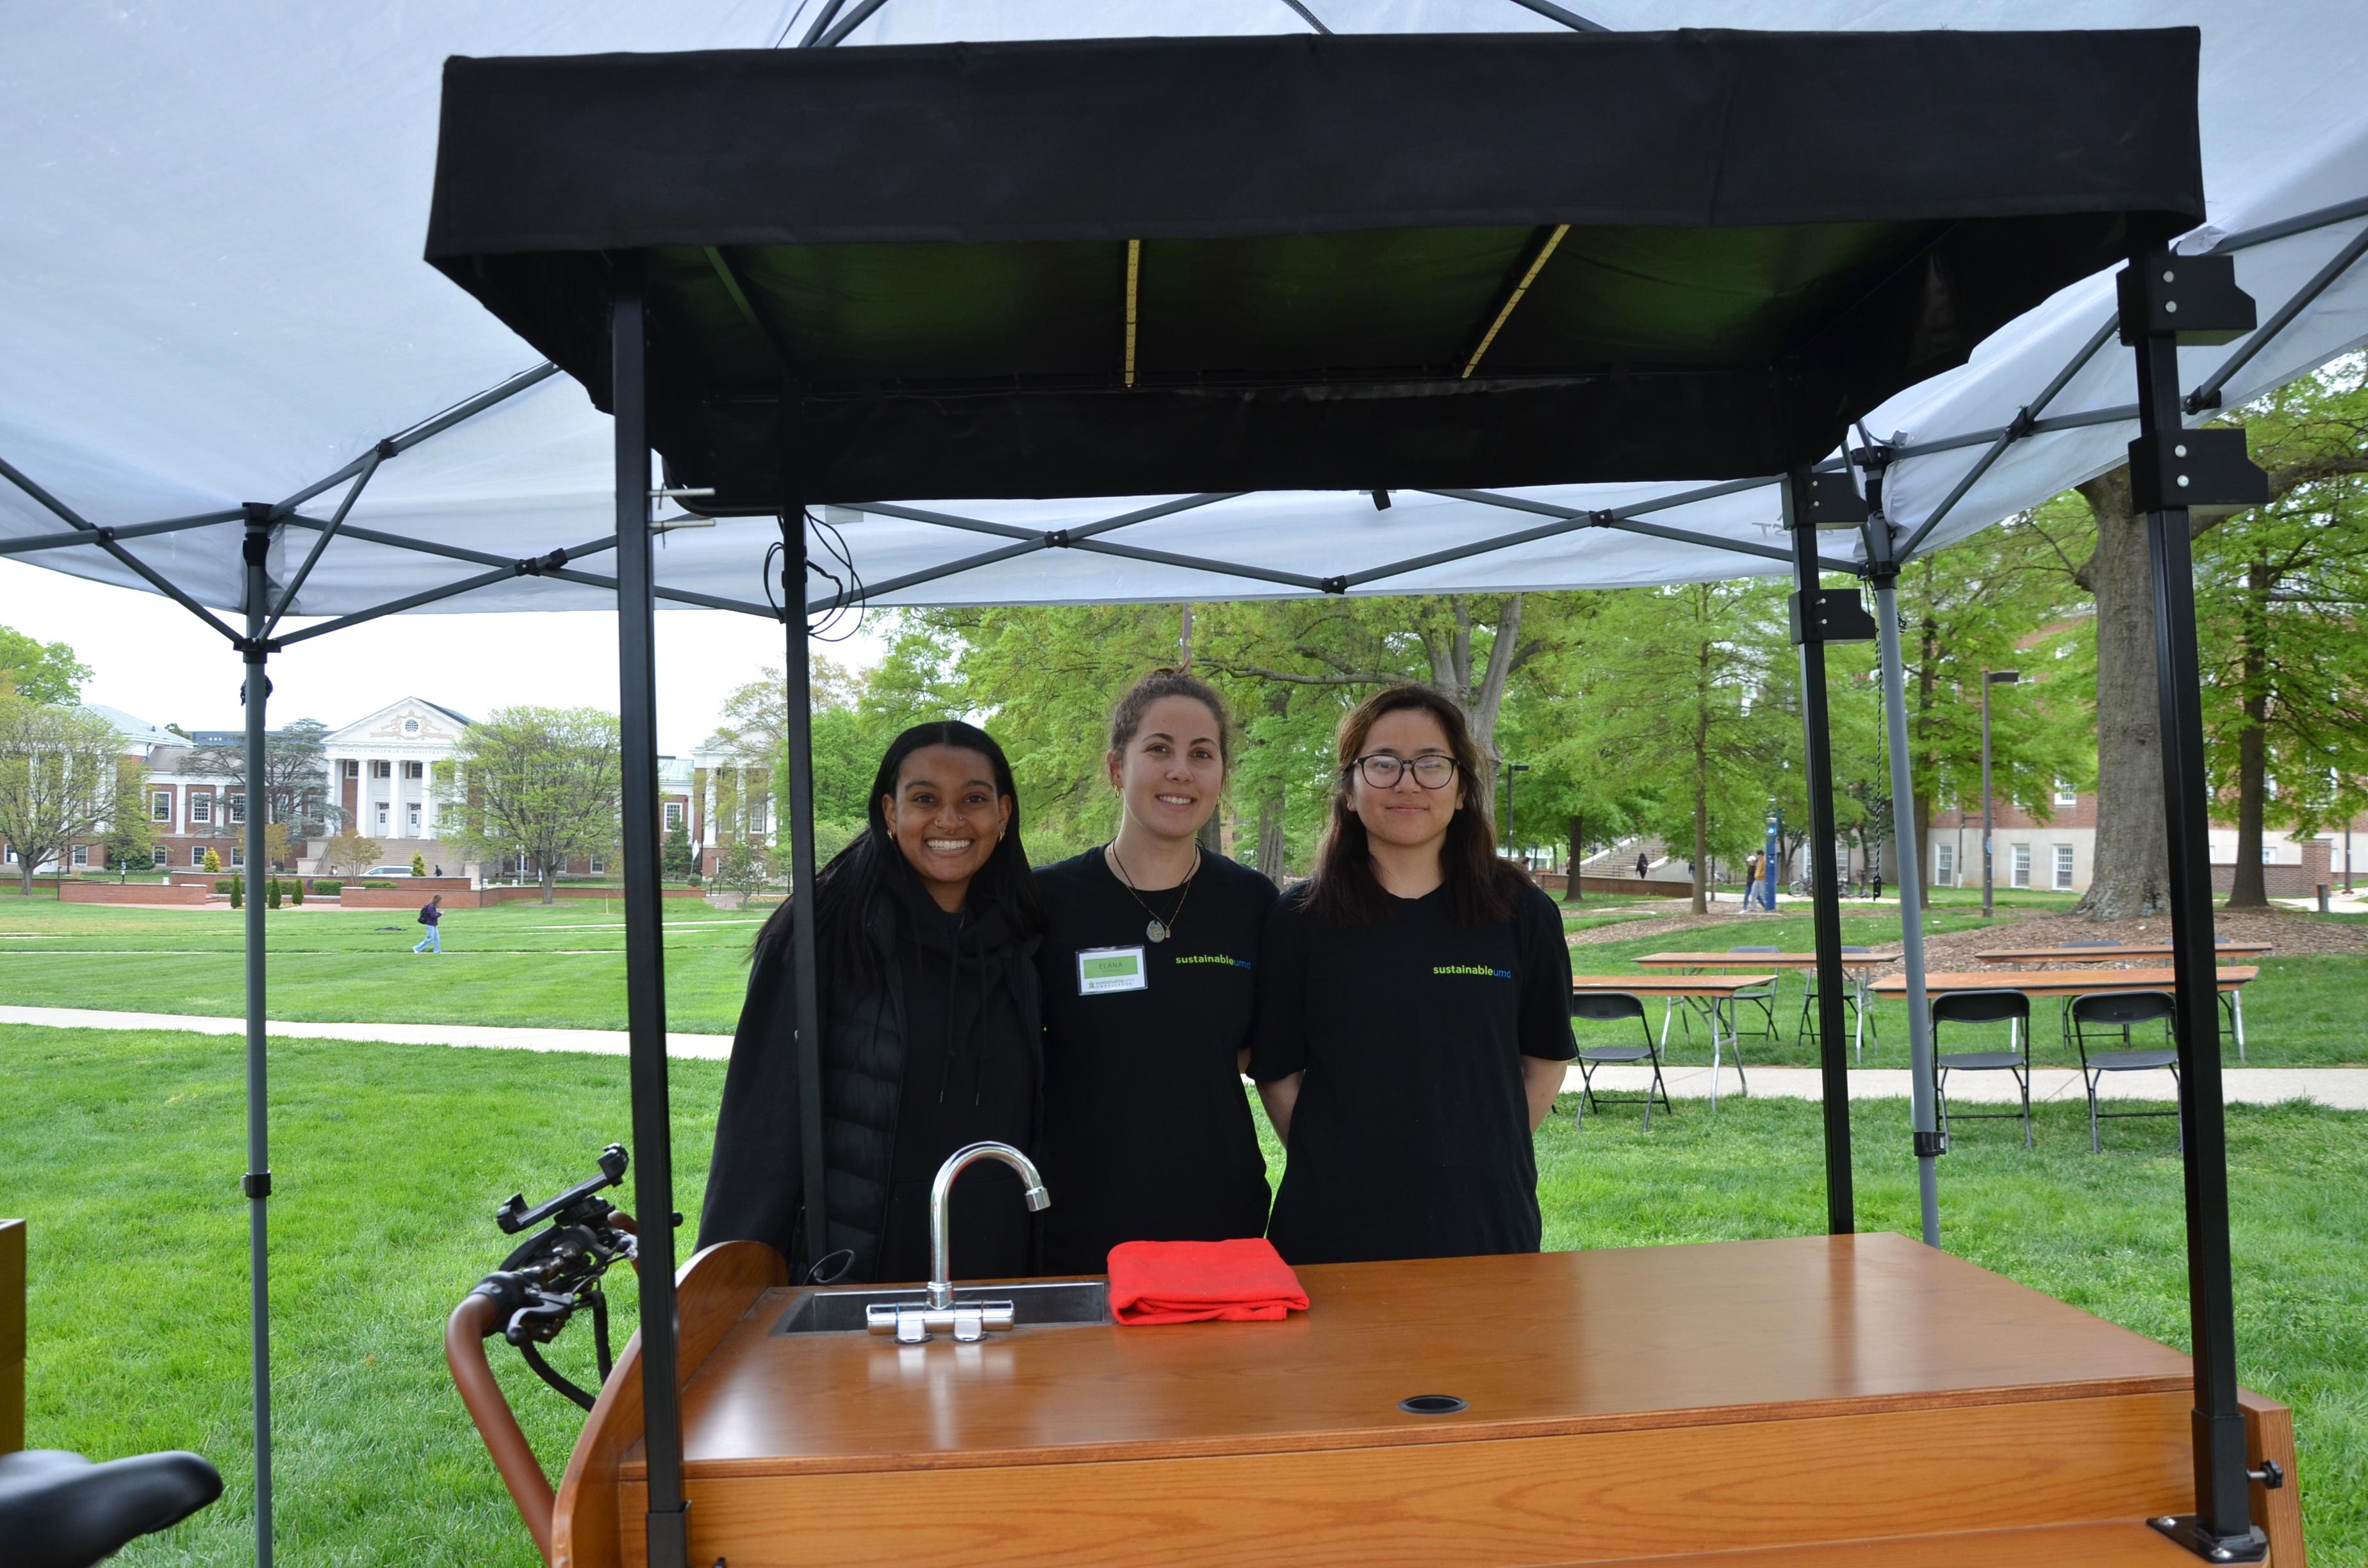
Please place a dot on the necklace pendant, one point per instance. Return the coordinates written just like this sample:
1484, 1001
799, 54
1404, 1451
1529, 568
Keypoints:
1157, 930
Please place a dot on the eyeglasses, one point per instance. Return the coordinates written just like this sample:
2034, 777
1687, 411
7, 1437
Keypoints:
1382, 770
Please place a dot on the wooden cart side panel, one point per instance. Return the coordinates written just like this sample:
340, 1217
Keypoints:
2270, 1434
713, 1290
1492, 1504
12, 1335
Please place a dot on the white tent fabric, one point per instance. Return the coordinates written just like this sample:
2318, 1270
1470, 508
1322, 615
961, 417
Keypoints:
210, 293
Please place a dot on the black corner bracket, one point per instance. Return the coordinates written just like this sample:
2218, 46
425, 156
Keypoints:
2194, 468
1834, 615
2193, 299
1827, 500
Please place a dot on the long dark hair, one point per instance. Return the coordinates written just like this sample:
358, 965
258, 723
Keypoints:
1480, 887
862, 874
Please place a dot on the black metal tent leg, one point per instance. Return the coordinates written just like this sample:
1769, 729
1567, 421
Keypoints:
1824, 879
645, 933
256, 548
798, 730
2222, 1490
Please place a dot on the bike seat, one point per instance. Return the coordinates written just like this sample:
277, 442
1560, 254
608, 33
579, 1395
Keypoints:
59, 1510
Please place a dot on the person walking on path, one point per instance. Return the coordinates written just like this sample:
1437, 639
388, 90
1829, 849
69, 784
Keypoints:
1751, 877
431, 914
1642, 865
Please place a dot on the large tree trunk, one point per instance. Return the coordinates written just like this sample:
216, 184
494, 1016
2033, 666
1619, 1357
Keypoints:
1272, 850
1700, 904
550, 881
1571, 893
1481, 700
1928, 681
2131, 875
2247, 889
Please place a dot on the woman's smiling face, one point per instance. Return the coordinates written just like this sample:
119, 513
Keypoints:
945, 817
1171, 773
1405, 813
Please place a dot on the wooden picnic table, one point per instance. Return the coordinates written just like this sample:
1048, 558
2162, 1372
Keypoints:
1855, 968
1717, 990
2070, 982
2119, 954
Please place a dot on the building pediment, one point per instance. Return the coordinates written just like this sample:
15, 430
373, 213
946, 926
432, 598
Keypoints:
411, 721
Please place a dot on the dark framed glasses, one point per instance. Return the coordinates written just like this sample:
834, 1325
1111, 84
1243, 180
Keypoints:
1382, 770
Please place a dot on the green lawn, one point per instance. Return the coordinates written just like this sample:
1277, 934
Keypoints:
520, 964
123, 1150
2304, 1011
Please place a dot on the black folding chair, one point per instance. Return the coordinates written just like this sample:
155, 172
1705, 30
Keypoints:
1603, 1006
1764, 996
1807, 1028
2120, 1011
2009, 1007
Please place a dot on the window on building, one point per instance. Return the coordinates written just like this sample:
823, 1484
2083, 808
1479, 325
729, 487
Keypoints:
201, 808
2065, 795
160, 805
197, 857
673, 816
1944, 865
599, 868
351, 767
81, 854
414, 770
382, 768
2021, 853
237, 808
415, 820
2063, 868
237, 857
160, 857
382, 813
755, 816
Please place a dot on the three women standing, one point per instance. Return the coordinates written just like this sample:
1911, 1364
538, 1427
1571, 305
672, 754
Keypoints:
1149, 984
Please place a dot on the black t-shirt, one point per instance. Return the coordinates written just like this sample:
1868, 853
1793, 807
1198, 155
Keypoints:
1411, 1135
1147, 1129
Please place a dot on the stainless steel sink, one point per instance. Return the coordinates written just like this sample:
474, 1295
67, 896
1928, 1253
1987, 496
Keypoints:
1064, 1304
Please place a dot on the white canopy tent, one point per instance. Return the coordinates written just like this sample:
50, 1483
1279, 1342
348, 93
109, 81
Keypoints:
221, 338
210, 294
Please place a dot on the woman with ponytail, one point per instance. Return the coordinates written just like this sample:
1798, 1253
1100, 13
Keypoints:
1148, 974
1414, 1008
924, 935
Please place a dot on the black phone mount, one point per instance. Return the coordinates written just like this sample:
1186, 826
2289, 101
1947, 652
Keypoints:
555, 1273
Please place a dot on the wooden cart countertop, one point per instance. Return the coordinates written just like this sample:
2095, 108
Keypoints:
1538, 1344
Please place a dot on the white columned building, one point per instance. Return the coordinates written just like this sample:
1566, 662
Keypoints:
382, 774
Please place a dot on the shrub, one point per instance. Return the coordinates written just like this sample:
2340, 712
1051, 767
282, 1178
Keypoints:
418, 866
296, 891
271, 895
237, 893
213, 861
226, 884
374, 884
327, 889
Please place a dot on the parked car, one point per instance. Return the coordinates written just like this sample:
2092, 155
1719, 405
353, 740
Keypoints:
388, 871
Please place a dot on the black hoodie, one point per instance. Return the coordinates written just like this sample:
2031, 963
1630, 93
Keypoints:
944, 1047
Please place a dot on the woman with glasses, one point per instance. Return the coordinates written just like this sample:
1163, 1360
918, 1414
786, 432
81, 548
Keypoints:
1148, 982
1413, 1009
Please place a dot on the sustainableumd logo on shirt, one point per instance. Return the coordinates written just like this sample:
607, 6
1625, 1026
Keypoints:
1481, 970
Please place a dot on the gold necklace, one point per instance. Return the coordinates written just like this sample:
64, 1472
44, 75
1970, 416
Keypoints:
1158, 930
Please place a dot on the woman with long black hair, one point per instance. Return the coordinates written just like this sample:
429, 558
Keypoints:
1147, 966
1414, 1008
924, 935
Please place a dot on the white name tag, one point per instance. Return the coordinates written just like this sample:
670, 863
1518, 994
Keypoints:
1101, 969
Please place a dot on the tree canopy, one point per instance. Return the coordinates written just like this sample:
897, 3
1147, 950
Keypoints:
544, 782
39, 672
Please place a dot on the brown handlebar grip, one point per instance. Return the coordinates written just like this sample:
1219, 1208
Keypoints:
465, 1352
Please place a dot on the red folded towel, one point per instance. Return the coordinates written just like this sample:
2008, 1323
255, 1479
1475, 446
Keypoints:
1235, 1281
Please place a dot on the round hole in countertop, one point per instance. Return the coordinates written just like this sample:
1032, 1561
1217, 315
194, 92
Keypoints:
1432, 1404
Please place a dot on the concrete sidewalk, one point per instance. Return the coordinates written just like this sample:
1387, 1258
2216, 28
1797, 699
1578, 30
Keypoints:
2343, 1088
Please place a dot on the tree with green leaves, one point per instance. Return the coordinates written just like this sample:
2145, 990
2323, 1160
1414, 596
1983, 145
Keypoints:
39, 672
62, 775
678, 862
295, 775
739, 868
131, 838
542, 779
351, 853
1999, 599
2280, 589
213, 862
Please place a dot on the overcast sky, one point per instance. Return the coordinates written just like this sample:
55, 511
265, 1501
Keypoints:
154, 660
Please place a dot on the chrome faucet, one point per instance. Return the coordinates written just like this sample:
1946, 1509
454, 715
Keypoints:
941, 1271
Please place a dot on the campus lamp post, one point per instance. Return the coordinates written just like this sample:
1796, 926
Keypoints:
1989, 679
1511, 769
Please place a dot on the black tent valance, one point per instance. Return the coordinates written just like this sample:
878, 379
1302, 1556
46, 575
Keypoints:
1136, 267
